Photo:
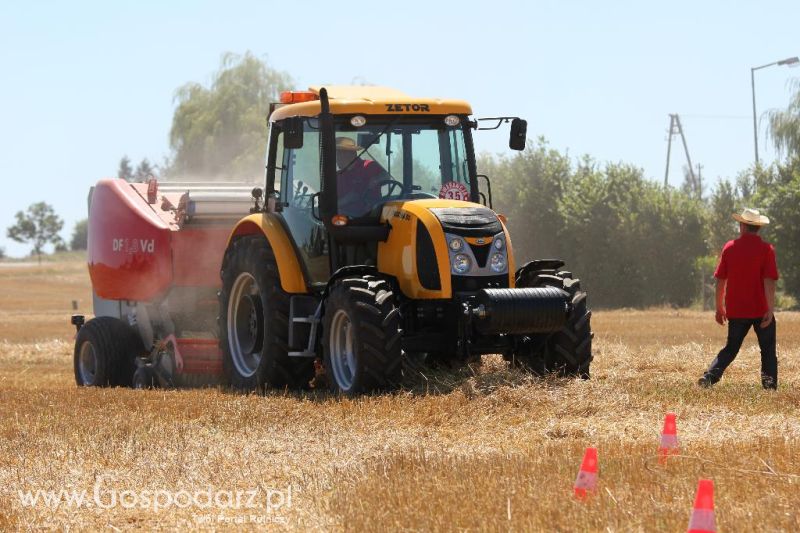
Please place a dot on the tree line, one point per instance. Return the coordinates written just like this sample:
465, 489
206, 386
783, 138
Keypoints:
632, 241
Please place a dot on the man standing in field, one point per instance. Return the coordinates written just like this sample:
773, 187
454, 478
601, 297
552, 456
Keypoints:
746, 276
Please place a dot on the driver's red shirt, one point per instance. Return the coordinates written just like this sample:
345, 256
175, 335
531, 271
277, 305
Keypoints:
356, 187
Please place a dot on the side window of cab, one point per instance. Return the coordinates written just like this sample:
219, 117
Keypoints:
279, 162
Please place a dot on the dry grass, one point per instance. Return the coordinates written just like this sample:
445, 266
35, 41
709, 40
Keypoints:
483, 449
36, 301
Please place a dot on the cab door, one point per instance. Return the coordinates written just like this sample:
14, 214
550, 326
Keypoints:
298, 172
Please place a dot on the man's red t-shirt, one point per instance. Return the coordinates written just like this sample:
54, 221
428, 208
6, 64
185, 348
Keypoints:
745, 263
357, 193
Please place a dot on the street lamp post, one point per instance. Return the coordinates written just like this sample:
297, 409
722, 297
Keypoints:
787, 61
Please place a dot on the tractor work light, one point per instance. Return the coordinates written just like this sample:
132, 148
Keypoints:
452, 120
339, 220
456, 245
295, 97
498, 263
461, 264
358, 121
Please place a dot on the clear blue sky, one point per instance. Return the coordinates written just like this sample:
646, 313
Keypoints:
85, 82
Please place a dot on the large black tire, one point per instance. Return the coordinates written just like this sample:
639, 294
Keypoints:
362, 319
105, 353
567, 352
264, 363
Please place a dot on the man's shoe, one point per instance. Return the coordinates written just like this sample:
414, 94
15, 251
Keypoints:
705, 382
769, 384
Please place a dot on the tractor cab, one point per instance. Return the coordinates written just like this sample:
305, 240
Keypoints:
382, 147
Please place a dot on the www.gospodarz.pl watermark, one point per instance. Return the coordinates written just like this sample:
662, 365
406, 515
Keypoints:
104, 496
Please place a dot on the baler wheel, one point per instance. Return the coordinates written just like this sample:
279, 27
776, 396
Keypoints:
254, 321
105, 353
144, 378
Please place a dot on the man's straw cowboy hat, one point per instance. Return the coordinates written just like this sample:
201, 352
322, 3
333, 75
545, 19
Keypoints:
751, 217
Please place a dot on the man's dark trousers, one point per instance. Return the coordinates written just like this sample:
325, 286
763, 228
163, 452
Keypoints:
737, 331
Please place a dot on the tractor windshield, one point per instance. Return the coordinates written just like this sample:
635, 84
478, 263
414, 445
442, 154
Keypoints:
387, 158
399, 159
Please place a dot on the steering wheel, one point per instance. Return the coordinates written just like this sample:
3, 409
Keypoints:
391, 184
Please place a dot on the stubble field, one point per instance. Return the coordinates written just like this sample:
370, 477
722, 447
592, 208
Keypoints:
483, 449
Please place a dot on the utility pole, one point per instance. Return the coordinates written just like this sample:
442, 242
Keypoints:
699, 187
675, 128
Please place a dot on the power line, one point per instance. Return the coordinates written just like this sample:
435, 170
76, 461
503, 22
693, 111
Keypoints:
719, 117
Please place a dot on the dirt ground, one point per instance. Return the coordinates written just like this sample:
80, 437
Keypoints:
483, 449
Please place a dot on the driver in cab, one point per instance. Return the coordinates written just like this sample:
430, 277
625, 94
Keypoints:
358, 179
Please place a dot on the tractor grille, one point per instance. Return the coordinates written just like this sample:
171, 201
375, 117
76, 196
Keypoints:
481, 253
427, 267
468, 221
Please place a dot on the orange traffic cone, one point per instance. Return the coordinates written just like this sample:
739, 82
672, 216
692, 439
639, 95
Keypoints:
669, 439
703, 520
586, 481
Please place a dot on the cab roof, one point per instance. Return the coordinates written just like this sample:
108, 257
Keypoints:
368, 100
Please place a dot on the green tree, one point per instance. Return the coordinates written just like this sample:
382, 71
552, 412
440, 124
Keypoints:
80, 235
39, 225
143, 171
220, 130
527, 188
724, 201
692, 184
631, 242
784, 126
125, 171
777, 194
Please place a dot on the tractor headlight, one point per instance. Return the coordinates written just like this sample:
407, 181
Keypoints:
498, 262
452, 120
456, 245
498, 243
358, 121
461, 264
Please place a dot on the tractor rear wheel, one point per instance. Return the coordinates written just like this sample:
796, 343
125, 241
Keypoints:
567, 352
254, 321
105, 353
361, 336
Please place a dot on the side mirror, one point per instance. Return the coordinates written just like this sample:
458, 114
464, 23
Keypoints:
293, 133
519, 131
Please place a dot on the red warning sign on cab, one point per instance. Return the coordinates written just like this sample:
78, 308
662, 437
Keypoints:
453, 190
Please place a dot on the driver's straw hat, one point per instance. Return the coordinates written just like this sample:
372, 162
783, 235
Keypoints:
346, 143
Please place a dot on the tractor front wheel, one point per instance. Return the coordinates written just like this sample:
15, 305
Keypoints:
567, 352
361, 341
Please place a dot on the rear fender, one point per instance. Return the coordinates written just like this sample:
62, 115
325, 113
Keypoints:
289, 268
